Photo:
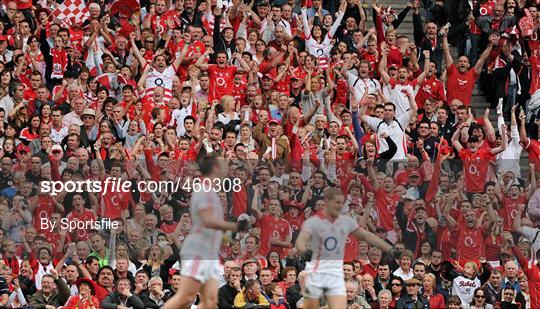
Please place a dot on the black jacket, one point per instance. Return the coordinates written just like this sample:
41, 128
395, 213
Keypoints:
113, 300
406, 302
226, 295
409, 230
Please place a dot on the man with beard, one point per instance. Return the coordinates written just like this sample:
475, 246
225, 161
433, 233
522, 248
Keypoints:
54, 292
436, 262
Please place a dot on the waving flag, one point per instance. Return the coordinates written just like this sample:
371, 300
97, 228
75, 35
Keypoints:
72, 10
125, 8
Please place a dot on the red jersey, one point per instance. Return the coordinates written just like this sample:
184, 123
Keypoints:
533, 148
460, 85
351, 249
221, 81
475, 167
85, 215
509, 211
295, 223
239, 93
114, 203
265, 225
431, 88
281, 230
386, 208
44, 209
470, 242
493, 247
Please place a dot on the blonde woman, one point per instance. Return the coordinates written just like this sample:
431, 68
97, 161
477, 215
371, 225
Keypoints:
435, 299
229, 117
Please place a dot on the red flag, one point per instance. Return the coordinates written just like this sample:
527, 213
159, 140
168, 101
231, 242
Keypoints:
125, 28
125, 8
72, 10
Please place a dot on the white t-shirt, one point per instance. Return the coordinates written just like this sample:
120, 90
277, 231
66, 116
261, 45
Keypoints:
395, 130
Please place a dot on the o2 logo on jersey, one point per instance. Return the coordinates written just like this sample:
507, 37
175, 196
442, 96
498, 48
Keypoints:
158, 82
469, 242
330, 243
220, 81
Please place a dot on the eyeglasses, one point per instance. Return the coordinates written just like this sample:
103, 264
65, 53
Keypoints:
509, 294
479, 296
396, 284
149, 42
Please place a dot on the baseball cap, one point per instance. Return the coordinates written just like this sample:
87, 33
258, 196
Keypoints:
268, 76
273, 121
89, 111
414, 173
3, 38
56, 148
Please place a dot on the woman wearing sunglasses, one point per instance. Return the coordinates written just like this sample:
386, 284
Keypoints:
479, 300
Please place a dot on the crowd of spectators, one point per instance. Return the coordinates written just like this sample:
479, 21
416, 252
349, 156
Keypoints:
296, 97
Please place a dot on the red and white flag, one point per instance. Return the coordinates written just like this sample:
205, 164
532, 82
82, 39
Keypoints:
73, 10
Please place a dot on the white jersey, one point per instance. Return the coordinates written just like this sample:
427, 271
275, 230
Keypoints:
203, 243
359, 84
165, 80
395, 129
328, 239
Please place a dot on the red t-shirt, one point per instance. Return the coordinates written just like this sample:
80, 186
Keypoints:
44, 209
351, 249
280, 230
493, 247
460, 85
85, 216
470, 242
509, 211
221, 81
266, 225
431, 88
534, 154
475, 167
386, 208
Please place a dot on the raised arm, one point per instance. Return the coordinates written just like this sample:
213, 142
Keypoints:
504, 142
339, 17
423, 75
382, 64
484, 56
455, 140
446, 48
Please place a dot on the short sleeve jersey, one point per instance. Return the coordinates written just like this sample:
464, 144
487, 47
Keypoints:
203, 242
328, 239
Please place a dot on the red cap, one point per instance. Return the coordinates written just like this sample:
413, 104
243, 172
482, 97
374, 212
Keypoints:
3, 38
274, 121
23, 147
414, 173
